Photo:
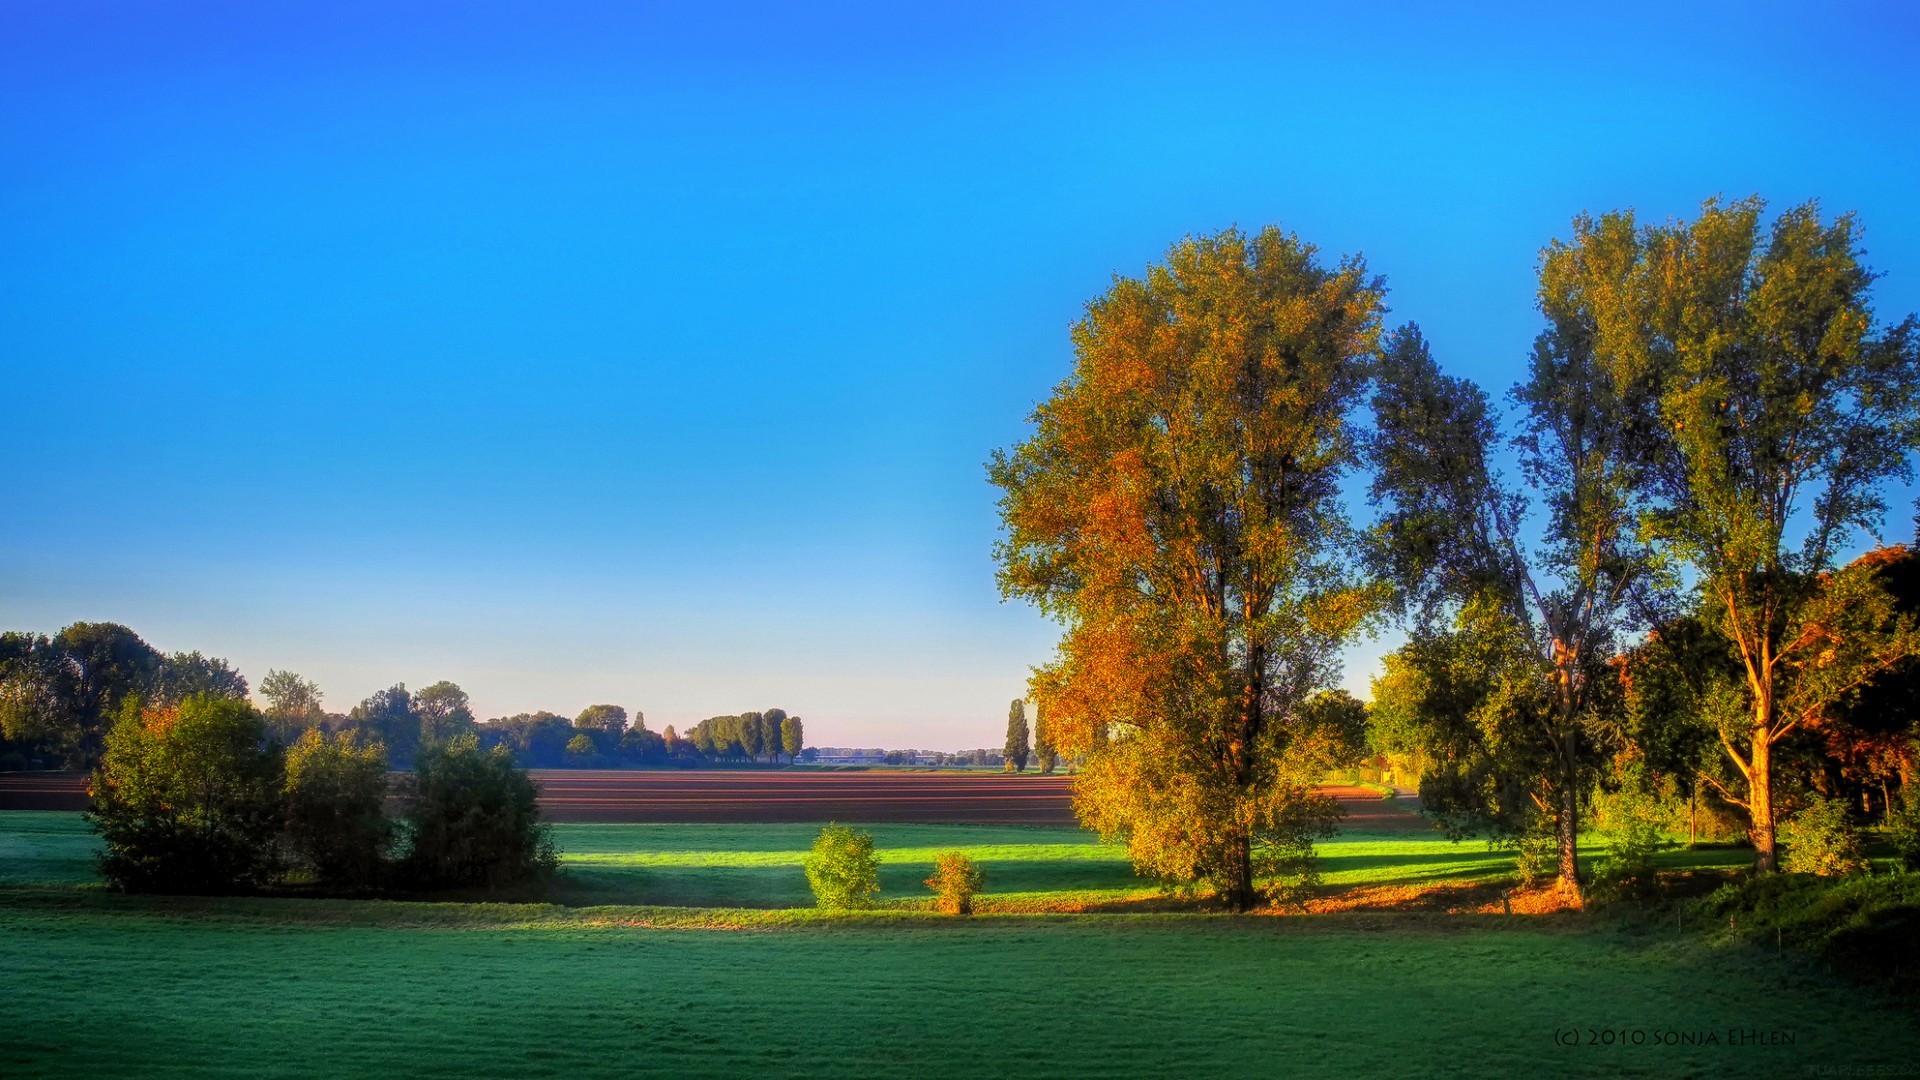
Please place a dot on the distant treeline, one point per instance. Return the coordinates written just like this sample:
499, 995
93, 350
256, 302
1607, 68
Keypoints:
60, 694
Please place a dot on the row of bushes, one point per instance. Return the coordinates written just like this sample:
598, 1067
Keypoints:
844, 874
195, 798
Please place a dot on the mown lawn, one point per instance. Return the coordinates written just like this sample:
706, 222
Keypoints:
98, 984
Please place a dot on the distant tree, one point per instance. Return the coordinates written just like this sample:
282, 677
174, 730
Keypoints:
1016, 750
771, 722
753, 734
1775, 409
793, 737
843, 870
387, 717
38, 708
1178, 508
1045, 757
184, 674
536, 740
187, 798
581, 749
810, 754
473, 819
643, 747
671, 738
611, 719
336, 792
58, 694
443, 712
293, 705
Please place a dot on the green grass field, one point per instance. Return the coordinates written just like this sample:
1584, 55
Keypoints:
631, 978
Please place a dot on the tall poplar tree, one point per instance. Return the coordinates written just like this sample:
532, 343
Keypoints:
1514, 617
1017, 748
1776, 409
1177, 509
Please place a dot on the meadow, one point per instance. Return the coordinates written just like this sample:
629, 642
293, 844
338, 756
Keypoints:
685, 950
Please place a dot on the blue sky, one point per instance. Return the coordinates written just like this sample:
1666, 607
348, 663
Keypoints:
650, 353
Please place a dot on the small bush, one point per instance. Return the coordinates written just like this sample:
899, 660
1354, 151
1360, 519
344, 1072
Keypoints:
473, 820
187, 799
1903, 832
1821, 839
842, 869
955, 881
336, 808
1632, 818
1537, 855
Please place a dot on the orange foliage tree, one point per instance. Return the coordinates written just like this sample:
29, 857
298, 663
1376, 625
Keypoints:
1177, 508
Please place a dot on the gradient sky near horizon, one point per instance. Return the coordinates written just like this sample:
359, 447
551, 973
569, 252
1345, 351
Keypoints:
651, 353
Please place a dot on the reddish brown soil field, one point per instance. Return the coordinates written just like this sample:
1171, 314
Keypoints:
752, 796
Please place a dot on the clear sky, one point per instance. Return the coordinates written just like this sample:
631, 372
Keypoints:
650, 353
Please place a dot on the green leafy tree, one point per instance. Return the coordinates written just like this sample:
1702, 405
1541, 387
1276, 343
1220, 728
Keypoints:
443, 712
753, 734
1550, 613
1775, 408
336, 792
793, 737
187, 798
611, 719
581, 749
1178, 509
293, 705
38, 710
184, 674
473, 819
842, 869
387, 717
1016, 751
772, 722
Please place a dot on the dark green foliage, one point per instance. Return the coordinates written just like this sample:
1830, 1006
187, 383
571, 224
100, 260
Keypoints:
842, 869
187, 799
472, 820
387, 717
536, 740
336, 795
1903, 831
1866, 927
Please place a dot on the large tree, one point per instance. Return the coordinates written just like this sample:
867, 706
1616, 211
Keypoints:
443, 712
1776, 409
1543, 603
1178, 510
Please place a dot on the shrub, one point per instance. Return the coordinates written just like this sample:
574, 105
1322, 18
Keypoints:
1903, 832
1821, 840
955, 880
1632, 818
1536, 855
1866, 927
472, 820
187, 799
842, 869
336, 807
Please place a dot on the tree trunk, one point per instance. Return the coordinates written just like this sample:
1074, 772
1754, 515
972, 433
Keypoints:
1693, 814
1567, 817
1760, 802
1238, 893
